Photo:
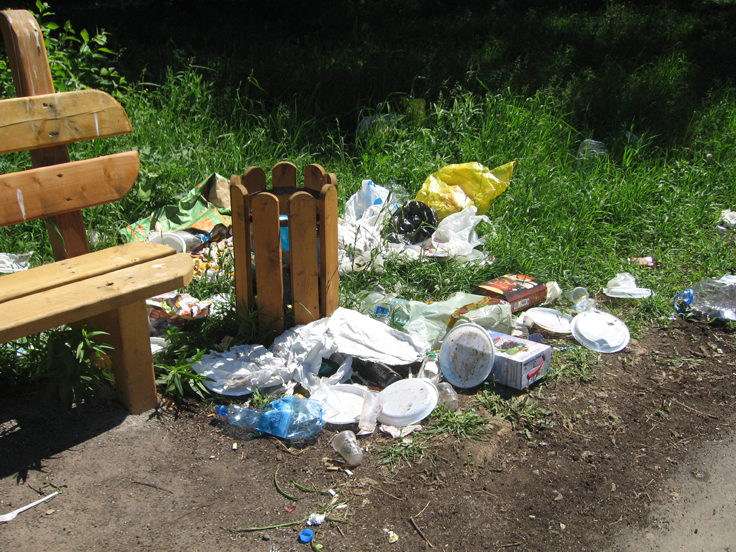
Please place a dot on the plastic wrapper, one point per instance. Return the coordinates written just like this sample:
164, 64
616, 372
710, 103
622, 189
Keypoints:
454, 187
173, 309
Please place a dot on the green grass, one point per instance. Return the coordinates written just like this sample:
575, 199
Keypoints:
529, 91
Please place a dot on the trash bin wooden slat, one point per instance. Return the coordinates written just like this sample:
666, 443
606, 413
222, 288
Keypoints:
269, 269
304, 260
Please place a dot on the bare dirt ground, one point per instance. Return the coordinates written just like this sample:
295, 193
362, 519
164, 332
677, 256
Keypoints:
621, 451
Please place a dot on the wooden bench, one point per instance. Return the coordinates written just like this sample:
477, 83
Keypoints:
106, 289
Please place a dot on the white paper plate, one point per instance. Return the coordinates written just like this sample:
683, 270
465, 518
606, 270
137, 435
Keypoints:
551, 320
342, 403
600, 331
628, 293
466, 355
407, 402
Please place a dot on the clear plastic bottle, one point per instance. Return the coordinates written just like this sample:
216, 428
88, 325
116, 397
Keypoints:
447, 396
289, 418
712, 298
430, 368
400, 311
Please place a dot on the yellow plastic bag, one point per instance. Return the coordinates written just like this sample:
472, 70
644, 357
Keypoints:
454, 187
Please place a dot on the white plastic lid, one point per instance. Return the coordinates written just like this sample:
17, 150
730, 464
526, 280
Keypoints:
466, 355
407, 402
600, 331
551, 320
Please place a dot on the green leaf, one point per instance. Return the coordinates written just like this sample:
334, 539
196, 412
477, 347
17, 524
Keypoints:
85, 35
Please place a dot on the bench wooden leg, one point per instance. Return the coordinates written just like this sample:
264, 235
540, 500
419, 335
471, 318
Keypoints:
132, 363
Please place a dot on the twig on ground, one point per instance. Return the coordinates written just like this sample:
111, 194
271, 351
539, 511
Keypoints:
384, 492
691, 409
422, 511
414, 524
152, 485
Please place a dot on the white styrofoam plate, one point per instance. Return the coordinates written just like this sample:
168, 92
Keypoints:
600, 331
551, 320
407, 402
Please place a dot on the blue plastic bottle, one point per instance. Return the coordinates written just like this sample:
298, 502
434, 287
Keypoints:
289, 418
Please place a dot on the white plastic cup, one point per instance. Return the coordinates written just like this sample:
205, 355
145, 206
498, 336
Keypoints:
372, 405
192, 241
170, 239
181, 241
346, 444
580, 299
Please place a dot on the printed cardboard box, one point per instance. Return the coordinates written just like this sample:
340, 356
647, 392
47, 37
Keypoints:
518, 362
521, 291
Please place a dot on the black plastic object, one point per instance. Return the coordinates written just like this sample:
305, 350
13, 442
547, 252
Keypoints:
378, 373
375, 372
412, 223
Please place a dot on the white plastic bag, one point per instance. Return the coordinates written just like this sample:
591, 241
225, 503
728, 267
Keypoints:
370, 194
456, 235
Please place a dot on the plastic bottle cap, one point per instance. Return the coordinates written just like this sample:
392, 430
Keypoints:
306, 535
221, 410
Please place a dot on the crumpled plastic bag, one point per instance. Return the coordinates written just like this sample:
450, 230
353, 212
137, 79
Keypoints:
296, 355
368, 195
242, 370
456, 234
412, 223
428, 322
454, 187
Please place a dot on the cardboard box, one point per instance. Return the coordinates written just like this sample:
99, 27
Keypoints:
521, 291
518, 362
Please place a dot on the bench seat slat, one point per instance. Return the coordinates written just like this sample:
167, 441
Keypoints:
54, 119
41, 278
46, 191
93, 296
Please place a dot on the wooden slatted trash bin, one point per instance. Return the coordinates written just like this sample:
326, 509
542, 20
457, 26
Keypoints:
260, 218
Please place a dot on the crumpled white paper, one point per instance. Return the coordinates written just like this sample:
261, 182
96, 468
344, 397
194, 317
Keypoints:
10, 262
242, 370
296, 355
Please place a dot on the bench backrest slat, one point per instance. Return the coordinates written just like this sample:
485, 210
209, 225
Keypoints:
49, 191
55, 119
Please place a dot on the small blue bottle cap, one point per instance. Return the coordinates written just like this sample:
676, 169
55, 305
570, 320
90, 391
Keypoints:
306, 535
221, 410
683, 300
